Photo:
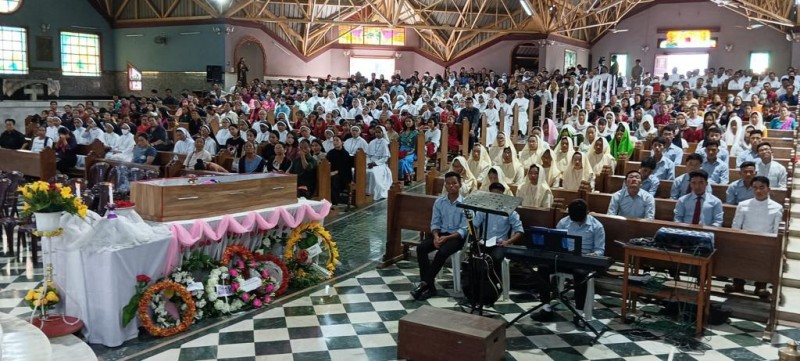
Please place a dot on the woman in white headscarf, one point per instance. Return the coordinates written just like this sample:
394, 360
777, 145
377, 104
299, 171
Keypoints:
588, 139
109, 138
512, 168
551, 175
492, 122
742, 143
600, 156
532, 153
732, 131
262, 132
646, 129
563, 153
496, 150
379, 176
223, 134
211, 145
123, 148
469, 183
479, 161
495, 175
578, 171
184, 143
352, 144
758, 122
533, 191
327, 144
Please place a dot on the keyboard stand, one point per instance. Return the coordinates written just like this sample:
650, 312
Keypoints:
562, 298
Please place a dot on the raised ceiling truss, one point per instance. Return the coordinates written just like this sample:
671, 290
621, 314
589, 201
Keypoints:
447, 29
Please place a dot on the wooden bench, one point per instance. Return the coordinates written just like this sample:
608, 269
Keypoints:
40, 165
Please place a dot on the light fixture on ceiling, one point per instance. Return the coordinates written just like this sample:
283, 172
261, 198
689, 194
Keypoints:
526, 5
398, 55
45, 27
645, 48
190, 33
346, 53
729, 47
134, 35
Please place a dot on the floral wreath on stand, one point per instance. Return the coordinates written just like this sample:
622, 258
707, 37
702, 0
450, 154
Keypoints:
276, 269
305, 237
222, 304
186, 279
164, 324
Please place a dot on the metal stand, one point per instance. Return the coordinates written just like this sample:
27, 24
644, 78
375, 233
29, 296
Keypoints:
562, 298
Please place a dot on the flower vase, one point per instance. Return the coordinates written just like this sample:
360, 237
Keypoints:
47, 222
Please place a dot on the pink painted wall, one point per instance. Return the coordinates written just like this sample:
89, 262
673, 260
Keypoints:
554, 56
642, 29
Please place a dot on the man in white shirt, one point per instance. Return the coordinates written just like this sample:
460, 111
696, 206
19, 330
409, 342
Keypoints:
767, 167
693, 119
720, 78
737, 82
747, 93
759, 214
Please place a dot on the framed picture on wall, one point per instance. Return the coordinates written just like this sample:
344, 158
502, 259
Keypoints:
44, 48
570, 59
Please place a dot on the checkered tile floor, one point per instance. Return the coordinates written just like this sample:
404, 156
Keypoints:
357, 319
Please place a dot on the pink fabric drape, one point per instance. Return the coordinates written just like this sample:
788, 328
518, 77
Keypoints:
252, 221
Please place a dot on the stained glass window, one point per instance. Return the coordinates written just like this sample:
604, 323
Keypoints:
9, 6
367, 35
688, 39
13, 50
80, 54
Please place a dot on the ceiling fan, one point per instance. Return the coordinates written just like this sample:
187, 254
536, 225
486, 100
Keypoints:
728, 3
614, 30
751, 25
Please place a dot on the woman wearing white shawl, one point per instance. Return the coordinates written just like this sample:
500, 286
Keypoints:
492, 122
327, 144
210, 144
512, 168
379, 176
522, 103
600, 156
109, 138
647, 128
352, 144
535, 193
581, 124
123, 148
563, 153
578, 171
496, 150
742, 143
551, 174
469, 183
433, 137
732, 131
262, 132
532, 153
184, 144
356, 110
479, 161
495, 175
223, 134
758, 122
588, 139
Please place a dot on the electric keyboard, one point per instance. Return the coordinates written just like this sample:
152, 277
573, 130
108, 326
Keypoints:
558, 259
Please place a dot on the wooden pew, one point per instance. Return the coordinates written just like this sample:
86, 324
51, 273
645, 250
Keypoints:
779, 142
514, 126
413, 212
359, 186
482, 139
394, 161
739, 254
778, 133
324, 180
443, 145
422, 157
40, 165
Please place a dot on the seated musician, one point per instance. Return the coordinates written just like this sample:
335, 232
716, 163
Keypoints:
632, 200
699, 206
593, 238
716, 168
504, 230
759, 214
742, 189
448, 233
680, 187
665, 167
650, 182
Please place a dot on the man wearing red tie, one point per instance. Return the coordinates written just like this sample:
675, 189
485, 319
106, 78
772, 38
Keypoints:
699, 206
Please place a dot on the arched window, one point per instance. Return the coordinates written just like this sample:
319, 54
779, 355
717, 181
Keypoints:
9, 6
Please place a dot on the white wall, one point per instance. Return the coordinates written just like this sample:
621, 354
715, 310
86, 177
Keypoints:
642, 30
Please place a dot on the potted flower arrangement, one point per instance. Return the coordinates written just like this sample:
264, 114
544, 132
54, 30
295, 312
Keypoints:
43, 300
47, 201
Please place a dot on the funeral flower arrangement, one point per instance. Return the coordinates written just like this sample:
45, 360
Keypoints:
43, 197
44, 300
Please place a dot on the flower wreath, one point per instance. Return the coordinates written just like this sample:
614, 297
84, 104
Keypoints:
185, 279
299, 234
261, 295
236, 250
187, 314
221, 304
276, 269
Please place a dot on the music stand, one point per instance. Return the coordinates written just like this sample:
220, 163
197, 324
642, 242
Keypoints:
487, 203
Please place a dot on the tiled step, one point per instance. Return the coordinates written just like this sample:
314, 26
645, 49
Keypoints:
71, 348
791, 301
794, 227
791, 275
793, 248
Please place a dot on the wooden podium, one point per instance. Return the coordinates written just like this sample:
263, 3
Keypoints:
431, 333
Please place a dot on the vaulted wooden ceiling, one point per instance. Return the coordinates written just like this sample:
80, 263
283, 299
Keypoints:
447, 28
